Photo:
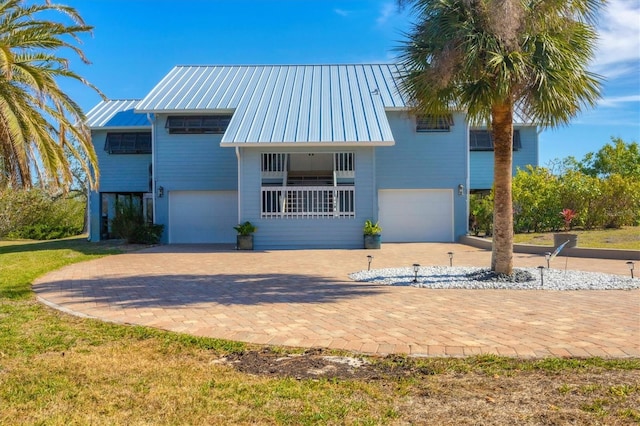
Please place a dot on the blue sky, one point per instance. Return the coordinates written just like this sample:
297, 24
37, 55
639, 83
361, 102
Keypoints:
136, 42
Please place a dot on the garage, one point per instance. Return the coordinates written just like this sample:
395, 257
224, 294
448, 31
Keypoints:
416, 215
202, 216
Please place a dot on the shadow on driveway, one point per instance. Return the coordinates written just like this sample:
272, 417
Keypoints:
165, 291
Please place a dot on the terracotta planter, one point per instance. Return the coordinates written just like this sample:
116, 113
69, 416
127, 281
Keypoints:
559, 239
372, 241
244, 242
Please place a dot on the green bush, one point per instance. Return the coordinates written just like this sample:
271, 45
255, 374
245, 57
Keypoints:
129, 224
539, 197
481, 208
35, 214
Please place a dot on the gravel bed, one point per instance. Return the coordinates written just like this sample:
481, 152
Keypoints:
481, 278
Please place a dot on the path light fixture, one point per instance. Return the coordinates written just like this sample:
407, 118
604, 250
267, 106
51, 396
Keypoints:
416, 267
547, 257
541, 275
631, 265
450, 258
369, 258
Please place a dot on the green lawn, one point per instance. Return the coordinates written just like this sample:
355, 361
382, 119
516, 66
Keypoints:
58, 369
624, 238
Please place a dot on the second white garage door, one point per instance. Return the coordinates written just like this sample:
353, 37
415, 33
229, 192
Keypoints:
202, 216
416, 215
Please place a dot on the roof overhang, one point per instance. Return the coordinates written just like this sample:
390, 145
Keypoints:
120, 128
306, 144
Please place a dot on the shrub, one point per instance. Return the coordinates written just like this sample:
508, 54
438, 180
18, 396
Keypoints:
129, 225
481, 208
35, 214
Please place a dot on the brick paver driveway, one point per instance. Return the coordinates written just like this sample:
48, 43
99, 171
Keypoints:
304, 298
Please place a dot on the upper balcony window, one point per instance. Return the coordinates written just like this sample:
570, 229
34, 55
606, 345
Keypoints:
432, 123
128, 143
198, 124
482, 140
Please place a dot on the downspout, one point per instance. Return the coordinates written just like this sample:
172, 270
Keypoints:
153, 164
239, 185
467, 194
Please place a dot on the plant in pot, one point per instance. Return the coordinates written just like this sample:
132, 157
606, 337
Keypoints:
371, 235
244, 239
571, 239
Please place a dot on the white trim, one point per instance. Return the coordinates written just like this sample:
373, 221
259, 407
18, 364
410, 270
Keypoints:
119, 128
205, 111
306, 144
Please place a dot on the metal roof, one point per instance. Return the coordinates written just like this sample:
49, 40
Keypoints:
285, 103
113, 114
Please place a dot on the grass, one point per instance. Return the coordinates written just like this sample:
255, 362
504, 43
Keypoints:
625, 238
57, 369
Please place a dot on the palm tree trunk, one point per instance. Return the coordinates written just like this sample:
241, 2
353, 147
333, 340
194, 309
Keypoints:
502, 127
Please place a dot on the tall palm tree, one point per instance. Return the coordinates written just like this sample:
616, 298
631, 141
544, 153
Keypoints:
486, 57
41, 128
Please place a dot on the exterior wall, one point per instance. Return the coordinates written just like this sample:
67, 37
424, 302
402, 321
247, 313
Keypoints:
190, 162
481, 162
307, 232
118, 173
426, 160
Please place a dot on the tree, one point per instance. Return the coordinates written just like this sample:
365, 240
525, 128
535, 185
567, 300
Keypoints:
617, 157
487, 57
38, 121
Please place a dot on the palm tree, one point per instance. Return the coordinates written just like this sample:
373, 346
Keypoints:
41, 128
486, 57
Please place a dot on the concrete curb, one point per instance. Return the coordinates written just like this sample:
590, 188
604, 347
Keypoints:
571, 252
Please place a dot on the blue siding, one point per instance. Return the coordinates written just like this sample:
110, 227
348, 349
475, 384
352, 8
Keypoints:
118, 173
94, 216
481, 162
121, 172
307, 233
429, 160
190, 163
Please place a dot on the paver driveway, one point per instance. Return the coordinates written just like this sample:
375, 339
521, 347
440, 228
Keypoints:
304, 298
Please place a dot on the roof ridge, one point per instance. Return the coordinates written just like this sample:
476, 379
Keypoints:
284, 65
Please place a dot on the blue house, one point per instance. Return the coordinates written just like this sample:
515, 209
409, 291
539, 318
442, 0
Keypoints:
306, 153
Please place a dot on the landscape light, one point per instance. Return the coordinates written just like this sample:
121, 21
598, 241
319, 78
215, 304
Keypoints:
369, 258
631, 266
541, 275
416, 266
450, 258
547, 257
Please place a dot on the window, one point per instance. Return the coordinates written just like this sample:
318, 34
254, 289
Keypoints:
128, 143
482, 140
197, 124
431, 123
309, 184
111, 201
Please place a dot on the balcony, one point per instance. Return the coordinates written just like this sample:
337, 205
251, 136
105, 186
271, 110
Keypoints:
308, 201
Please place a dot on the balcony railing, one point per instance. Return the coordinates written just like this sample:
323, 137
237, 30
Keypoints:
308, 201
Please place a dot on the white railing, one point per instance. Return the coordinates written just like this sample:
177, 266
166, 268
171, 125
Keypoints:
307, 201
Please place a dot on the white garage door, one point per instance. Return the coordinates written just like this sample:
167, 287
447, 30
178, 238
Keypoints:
202, 216
416, 215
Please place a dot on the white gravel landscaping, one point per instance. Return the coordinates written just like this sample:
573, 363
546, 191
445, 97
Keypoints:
445, 277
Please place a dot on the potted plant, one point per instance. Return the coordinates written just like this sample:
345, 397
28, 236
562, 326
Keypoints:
244, 239
371, 235
571, 239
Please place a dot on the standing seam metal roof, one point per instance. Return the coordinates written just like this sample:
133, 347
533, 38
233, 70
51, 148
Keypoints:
116, 114
285, 103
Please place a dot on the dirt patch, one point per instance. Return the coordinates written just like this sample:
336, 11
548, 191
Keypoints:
319, 363
454, 397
